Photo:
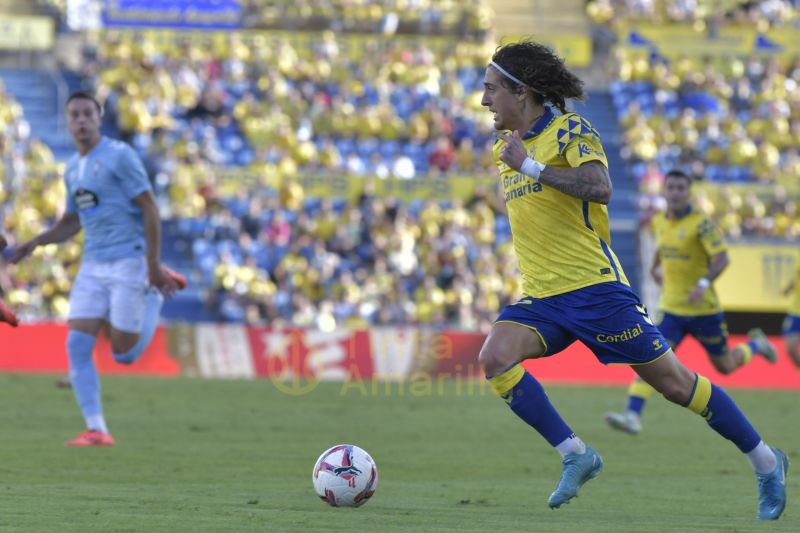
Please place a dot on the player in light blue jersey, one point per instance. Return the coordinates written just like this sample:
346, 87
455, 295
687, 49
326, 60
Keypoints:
121, 282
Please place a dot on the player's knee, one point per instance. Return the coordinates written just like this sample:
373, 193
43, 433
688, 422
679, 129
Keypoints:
486, 360
723, 365
123, 345
493, 361
725, 369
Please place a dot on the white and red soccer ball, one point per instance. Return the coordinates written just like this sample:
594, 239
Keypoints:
345, 476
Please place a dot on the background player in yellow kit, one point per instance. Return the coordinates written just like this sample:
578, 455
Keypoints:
691, 253
556, 183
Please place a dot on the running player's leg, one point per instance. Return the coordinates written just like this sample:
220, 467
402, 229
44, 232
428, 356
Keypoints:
709, 329
631, 420
793, 347
791, 336
507, 344
511, 340
128, 347
81, 340
683, 387
639, 391
88, 309
624, 333
135, 311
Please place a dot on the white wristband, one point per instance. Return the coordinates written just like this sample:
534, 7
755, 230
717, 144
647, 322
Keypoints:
531, 168
703, 283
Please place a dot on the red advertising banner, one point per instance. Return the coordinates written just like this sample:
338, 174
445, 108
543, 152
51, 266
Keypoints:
295, 358
42, 348
297, 354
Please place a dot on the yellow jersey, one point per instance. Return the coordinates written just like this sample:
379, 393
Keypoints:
562, 243
686, 245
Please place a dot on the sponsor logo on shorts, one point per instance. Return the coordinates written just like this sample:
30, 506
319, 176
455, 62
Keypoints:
625, 336
657, 344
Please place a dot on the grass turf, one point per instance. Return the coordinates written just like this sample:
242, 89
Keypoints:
195, 455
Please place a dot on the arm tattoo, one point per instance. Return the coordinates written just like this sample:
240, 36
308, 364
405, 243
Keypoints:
589, 182
718, 263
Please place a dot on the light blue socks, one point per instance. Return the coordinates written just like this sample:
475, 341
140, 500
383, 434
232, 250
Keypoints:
83, 375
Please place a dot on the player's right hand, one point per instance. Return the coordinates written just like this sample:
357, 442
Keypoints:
23, 250
513, 153
161, 281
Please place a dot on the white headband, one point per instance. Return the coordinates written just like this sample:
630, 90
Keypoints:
505, 73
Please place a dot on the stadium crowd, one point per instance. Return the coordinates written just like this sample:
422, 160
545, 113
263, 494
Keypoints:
732, 122
471, 19
279, 109
31, 195
700, 14
226, 123
736, 122
361, 105
376, 261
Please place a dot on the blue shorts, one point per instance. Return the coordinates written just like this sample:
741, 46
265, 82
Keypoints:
710, 330
608, 318
791, 324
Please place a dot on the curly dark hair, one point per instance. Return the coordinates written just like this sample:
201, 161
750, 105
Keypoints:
541, 70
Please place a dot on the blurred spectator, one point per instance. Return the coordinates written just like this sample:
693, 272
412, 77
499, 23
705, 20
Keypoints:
442, 156
389, 17
707, 13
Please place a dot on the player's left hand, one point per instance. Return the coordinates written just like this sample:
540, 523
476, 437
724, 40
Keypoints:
161, 281
513, 153
697, 295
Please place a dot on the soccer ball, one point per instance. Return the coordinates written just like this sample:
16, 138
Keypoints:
345, 476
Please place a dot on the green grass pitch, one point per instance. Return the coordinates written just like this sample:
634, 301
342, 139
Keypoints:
199, 455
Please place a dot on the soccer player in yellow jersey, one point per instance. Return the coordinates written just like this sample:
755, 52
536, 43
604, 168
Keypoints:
556, 186
691, 253
791, 325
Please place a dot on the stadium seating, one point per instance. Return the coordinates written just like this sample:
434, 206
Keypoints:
728, 117
226, 122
